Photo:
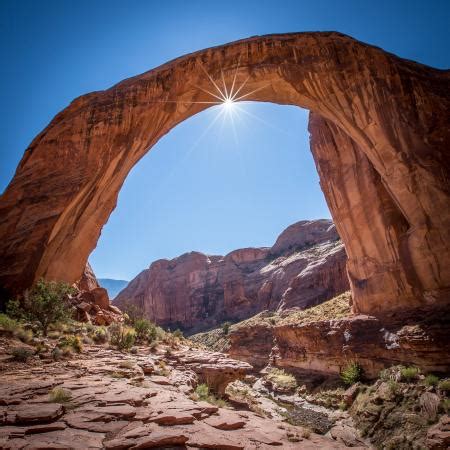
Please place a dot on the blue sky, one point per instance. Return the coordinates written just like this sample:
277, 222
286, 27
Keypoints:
212, 194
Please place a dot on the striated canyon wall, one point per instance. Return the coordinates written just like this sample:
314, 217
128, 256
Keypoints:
305, 266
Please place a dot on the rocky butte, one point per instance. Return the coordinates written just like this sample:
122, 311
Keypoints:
194, 292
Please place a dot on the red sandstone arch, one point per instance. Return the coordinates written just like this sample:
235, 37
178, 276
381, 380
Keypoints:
379, 134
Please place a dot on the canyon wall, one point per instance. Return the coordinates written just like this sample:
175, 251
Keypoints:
305, 266
324, 339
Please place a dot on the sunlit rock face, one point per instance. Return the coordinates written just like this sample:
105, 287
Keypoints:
195, 291
380, 136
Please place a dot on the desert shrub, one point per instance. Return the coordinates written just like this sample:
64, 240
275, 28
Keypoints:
100, 335
351, 373
409, 373
7, 324
444, 385
24, 335
60, 395
45, 304
145, 330
73, 342
202, 392
394, 387
431, 380
226, 327
21, 354
282, 379
178, 334
445, 405
122, 337
57, 353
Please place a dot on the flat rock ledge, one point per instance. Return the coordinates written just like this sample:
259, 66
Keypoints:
119, 401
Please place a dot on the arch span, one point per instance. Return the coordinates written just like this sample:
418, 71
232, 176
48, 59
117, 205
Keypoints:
379, 134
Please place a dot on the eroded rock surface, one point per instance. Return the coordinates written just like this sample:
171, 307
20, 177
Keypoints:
114, 405
305, 266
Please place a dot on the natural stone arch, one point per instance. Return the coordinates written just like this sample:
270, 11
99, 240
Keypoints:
379, 128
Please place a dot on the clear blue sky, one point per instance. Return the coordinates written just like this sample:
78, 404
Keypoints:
217, 193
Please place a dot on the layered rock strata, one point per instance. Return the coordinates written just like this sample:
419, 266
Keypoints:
305, 266
326, 346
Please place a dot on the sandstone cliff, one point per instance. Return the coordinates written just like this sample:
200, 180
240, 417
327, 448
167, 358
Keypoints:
305, 266
321, 340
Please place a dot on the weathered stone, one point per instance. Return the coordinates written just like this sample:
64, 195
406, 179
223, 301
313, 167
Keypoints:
36, 413
226, 420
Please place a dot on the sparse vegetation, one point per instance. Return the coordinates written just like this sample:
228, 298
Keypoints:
21, 354
226, 327
431, 380
178, 334
72, 342
60, 395
409, 373
122, 337
145, 330
444, 385
45, 304
100, 335
282, 379
202, 392
351, 373
7, 324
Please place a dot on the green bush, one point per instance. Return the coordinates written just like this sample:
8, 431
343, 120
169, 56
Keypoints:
444, 385
431, 380
45, 304
178, 334
226, 327
60, 395
409, 373
351, 373
145, 330
203, 393
122, 337
73, 342
7, 324
21, 354
100, 335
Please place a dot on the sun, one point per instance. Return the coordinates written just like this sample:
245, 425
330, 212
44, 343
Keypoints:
228, 103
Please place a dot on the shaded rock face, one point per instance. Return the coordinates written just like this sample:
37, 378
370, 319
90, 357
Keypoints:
195, 291
379, 132
326, 346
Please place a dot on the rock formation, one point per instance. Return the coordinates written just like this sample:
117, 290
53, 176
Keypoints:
91, 303
194, 292
380, 136
324, 343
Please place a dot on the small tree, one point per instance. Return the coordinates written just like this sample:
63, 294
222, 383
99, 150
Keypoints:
44, 304
226, 327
